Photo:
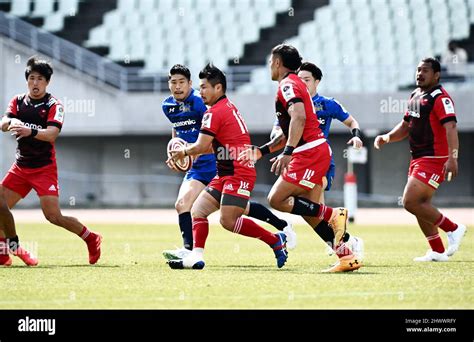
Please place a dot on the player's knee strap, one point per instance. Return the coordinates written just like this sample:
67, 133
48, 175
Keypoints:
214, 193
234, 201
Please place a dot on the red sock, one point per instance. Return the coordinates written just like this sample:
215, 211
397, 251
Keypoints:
436, 243
324, 212
342, 250
85, 233
445, 224
247, 227
200, 232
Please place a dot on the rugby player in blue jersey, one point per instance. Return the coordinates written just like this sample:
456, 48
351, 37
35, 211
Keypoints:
327, 109
184, 108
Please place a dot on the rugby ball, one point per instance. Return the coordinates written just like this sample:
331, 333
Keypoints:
184, 164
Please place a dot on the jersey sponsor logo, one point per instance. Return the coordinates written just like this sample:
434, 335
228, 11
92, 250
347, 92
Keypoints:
52, 188
244, 185
422, 174
243, 192
448, 105
33, 126
184, 108
184, 123
243, 189
171, 110
292, 175
206, 120
434, 180
59, 116
288, 92
229, 187
308, 184
308, 174
321, 121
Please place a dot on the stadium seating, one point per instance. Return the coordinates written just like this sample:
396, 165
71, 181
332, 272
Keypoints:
361, 45
373, 45
166, 32
45, 10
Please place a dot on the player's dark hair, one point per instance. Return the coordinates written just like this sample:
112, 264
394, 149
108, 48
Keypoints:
289, 55
313, 69
435, 65
214, 75
179, 69
40, 66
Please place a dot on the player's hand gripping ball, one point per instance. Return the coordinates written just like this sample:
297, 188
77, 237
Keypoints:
183, 164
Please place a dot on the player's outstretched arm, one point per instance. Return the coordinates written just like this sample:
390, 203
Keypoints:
254, 153
398, 133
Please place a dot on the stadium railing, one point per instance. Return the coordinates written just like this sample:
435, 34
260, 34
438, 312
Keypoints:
103, 69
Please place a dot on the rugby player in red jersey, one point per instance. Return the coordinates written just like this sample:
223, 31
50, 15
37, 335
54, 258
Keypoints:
36, 119
430, 125
306, 156
224, 131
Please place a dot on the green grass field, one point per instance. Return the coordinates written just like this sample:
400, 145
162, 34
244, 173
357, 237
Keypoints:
240, 273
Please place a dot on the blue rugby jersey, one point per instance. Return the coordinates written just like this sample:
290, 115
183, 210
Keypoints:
186, 118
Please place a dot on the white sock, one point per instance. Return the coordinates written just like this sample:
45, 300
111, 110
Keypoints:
198, 253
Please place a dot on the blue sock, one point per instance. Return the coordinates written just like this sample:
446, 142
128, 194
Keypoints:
186, 227
261, 213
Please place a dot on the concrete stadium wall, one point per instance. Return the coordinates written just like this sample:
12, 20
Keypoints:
112, 148
130, 172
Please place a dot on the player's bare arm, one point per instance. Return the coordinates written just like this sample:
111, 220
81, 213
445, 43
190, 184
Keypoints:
295, 131
49, 134
398, 133
298, 119
451, 167
352, 123
254, 153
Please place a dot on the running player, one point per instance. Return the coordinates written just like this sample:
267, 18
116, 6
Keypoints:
224, 131
430, 125
185, 109
36, 119
327, 109
306, 156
